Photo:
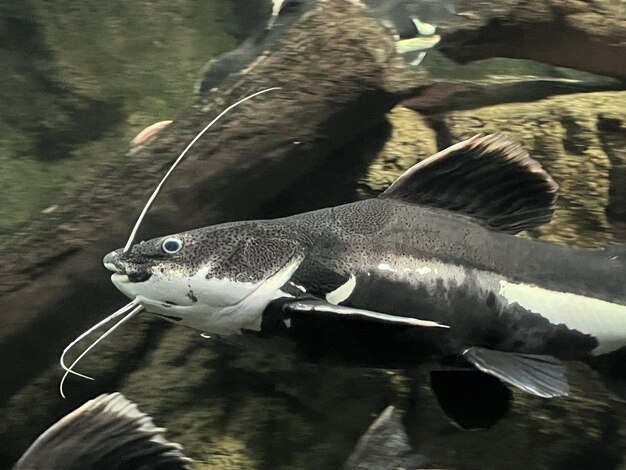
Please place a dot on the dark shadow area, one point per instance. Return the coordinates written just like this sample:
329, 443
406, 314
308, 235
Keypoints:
334, 183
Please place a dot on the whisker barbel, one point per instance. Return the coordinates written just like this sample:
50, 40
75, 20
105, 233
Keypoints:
135, 304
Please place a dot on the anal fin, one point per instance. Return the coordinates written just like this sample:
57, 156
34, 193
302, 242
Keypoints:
544, 376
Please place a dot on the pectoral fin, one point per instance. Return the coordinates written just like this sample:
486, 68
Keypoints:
323, 308
544, 376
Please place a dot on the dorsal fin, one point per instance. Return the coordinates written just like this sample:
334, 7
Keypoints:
489, 178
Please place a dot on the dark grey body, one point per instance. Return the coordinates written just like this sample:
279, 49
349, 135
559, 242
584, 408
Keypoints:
430, 271
356, 239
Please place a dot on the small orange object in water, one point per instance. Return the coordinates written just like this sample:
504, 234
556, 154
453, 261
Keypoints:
149, 131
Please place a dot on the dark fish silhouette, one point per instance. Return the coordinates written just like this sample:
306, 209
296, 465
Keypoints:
385, 446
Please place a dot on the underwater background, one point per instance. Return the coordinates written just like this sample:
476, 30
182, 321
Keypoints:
80, 79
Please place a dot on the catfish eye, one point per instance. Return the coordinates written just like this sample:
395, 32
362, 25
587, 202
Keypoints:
172, 245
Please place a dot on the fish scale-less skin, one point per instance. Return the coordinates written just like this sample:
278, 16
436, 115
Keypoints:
395, 280
387, 250
399, 229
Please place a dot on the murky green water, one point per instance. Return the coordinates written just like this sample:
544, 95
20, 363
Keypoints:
80, 79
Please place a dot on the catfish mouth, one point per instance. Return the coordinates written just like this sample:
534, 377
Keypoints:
121, 272
135, 276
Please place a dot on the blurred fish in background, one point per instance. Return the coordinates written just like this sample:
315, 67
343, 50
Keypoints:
106, 433
110, 433
407, 19
385, 446
414, 24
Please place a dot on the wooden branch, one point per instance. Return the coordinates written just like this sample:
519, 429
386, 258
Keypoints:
569, 33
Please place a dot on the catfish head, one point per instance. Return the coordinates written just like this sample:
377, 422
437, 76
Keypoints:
216, 279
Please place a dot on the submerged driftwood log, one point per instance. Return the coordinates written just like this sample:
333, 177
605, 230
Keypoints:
338, 75
585, 35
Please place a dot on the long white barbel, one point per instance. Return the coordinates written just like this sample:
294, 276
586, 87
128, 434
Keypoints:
121, 311
132, 313
133, 234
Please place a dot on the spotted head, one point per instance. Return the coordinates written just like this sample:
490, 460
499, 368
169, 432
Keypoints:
216, 279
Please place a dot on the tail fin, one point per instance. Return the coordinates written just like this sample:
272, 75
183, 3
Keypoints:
108, 432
